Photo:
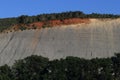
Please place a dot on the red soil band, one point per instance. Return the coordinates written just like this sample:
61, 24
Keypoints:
52, 23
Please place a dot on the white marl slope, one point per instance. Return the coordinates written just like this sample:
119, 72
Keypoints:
100, 38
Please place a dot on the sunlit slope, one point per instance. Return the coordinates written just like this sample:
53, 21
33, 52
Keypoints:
100, 38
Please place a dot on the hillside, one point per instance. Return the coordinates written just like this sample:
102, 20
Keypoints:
24, 22
94, 38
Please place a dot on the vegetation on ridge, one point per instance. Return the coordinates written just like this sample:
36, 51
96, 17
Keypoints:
71, 68
24, 19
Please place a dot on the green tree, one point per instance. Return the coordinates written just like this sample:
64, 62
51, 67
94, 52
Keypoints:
57, 70
30, 68
116, 66
5, 73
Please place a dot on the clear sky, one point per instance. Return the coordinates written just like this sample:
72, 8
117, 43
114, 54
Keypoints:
13, 8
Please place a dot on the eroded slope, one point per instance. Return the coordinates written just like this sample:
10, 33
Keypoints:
100, 38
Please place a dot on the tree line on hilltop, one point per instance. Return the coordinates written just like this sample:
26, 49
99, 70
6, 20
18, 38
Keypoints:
25, 19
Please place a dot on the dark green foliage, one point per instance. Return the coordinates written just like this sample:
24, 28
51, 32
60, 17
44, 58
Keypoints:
6, 23
5, 73
22, 28
30, 68
45, 26
116, 66
70, 68
96, 15
24, 19
75, 68
57, 70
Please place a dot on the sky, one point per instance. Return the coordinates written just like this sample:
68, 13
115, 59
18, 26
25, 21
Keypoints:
15, 8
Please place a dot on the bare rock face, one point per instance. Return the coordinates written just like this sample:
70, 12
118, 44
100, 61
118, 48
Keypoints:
100, 38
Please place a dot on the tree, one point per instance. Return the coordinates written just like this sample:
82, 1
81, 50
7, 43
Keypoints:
30, 68
57, 70
5, 73
116, 66
23, 19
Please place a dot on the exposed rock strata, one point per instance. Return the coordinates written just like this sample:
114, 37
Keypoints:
100, 38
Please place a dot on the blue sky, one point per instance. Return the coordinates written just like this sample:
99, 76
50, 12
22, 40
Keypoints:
14, 8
